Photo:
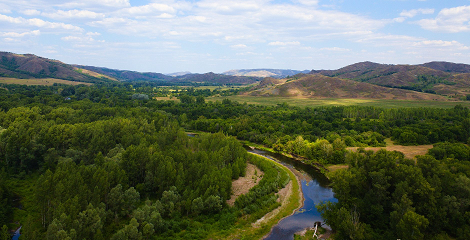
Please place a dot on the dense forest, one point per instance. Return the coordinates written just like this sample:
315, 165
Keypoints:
118, 172
110, 162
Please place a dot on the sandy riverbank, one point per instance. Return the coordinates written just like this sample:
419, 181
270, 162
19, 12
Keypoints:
284, 196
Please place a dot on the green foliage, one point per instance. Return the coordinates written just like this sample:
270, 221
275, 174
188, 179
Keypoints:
5, 200
382, 195
5, 233
450, 150
115, 165
262, 196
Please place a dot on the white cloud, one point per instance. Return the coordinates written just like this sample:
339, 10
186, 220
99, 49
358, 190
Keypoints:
148, 9
230, 5
36, 22
198, 18
30, 12
451, 20
93, 33
238, 46
78, 38
442, 44
336, 49
414, 12
309, 2
277, 43
19, 35
60, 14
91, 3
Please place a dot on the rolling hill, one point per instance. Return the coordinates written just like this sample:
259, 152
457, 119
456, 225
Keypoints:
321, 86
213, 78
29, 66
448, 67
432, 80
125, 75
435, 77
207, 78
264, 72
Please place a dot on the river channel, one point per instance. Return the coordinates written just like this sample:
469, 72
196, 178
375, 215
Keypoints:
315, 190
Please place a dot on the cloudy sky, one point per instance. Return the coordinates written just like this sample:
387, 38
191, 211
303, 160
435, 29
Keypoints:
219, 35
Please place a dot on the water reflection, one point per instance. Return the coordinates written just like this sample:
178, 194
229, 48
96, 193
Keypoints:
315, 189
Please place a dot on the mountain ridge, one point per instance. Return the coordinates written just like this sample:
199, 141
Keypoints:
264, 72
29, 66
321, 86
434, 77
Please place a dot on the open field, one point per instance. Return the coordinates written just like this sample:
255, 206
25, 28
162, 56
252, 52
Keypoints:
39, 81
409, 151
309, 102
220, 88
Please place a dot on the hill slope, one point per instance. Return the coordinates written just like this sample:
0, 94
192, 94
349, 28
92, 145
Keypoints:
214, 78
424, 78
264, 72
28, 66
320, 86
448, 67
125, 75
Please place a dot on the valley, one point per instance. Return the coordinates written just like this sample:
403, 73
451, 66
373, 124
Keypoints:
95, 153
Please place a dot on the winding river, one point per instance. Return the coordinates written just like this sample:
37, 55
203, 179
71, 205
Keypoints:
315, 190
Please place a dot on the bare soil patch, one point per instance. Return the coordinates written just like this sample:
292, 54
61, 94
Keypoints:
284, 195
243, 184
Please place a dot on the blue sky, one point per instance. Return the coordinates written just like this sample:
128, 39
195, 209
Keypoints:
218, 35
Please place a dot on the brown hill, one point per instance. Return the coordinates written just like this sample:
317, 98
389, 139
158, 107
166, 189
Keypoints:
448, 67
320, 86
411, 77
214, 78
31, 66
125, 75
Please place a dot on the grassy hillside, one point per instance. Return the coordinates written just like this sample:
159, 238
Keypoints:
448, 67
320, 86
443, 78
218, 79
125, 75
264, 72
28, 66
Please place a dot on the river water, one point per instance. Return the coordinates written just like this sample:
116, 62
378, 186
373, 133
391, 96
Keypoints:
315, 190
16, 236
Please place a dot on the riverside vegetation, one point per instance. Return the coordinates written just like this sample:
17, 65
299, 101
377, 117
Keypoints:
109, 162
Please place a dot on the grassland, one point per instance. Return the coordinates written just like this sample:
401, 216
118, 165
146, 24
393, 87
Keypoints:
39, 81
309, 102
409, 151
220, 88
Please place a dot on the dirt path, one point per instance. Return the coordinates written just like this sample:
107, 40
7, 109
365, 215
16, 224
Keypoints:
243, 184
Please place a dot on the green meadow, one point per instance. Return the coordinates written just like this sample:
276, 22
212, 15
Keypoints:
308, 102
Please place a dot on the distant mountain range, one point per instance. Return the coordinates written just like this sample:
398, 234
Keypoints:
26, 66
177, 74
208, 78
264, 72
433, 80
29, 66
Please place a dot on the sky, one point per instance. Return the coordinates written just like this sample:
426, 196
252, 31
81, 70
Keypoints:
219, 35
